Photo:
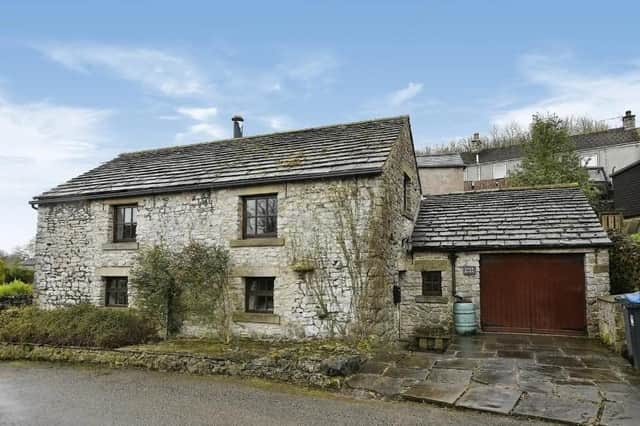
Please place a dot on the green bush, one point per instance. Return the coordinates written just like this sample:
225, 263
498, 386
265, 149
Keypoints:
79, 325
15, 288
15, 271
624, 264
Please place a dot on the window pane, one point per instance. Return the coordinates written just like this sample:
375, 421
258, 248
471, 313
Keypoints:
250, 208
261, 206
134, 215
119, 215
250, 226
119, 231
270, 225
261, 225
273, 207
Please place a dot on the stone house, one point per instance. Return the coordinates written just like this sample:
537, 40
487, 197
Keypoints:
531, 260
441, 173
338, 195
602, 153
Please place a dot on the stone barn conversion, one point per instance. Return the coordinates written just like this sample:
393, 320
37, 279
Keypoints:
532, 261
343, 197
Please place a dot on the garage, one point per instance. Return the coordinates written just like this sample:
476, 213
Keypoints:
530, 260
533, 293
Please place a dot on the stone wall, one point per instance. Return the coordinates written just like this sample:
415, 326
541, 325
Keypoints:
75, 252
15, 301
310, 370
611, 324
441, 180
415, 312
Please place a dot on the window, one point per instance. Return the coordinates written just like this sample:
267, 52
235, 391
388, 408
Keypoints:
259, 295
125, 220
260, 215
499, 171
405, 192
590, 160
432, 283
116, 291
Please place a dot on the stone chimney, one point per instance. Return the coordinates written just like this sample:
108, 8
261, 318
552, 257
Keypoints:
629, 120
238, 126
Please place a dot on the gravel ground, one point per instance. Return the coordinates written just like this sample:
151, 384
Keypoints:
52, 394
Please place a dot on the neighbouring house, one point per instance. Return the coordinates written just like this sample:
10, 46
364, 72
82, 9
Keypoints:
532, 260
338, 200
441, 173
609, 150
626, 190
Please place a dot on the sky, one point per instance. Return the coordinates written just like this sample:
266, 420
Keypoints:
82, 81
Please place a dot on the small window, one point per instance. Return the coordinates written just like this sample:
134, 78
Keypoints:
125, 222
116, 291
259, 295
432, 283
405, 192
260, 216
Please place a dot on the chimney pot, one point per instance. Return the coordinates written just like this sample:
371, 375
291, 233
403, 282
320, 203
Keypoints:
629, 120
237, 126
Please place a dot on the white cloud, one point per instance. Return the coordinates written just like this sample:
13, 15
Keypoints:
403, 95
569, 92
277, 122
202, 131
162, 71
310, 68
198, 114
43, 145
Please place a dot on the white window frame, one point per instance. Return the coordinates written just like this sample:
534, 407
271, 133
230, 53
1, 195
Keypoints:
586, 160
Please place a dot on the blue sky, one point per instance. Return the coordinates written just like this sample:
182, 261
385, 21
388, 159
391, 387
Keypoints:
82, 81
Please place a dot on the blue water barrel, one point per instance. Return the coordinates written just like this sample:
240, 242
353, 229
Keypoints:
464, 316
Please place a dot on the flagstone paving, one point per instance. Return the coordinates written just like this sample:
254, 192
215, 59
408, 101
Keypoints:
567, 379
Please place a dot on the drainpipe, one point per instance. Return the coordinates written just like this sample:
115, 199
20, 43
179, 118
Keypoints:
452, 259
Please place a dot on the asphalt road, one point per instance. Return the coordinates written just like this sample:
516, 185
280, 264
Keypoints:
51, 394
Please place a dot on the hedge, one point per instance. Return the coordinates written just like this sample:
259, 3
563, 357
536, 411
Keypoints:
15, 288
624, 263
80, 325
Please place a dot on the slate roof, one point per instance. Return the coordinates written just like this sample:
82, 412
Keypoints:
439, 160
586, 141
339, 150
507, 219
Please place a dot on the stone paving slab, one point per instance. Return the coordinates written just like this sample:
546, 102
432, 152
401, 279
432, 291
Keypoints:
441, 393
553, 378
385, 386
620, 414
497, 399
558, 409
407, 373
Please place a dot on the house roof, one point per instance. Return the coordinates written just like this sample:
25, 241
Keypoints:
439, 160
552, 217
339, 150
583, 142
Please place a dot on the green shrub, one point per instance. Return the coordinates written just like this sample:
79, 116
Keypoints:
79, 325
15, 271
2, 271
15, 288
624, 264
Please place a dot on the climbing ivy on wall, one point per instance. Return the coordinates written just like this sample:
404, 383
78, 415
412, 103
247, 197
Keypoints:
624, 263
189, 284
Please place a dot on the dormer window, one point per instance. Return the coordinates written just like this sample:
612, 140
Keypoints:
125, 222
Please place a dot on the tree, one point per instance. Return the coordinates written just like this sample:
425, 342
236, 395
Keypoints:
550, 157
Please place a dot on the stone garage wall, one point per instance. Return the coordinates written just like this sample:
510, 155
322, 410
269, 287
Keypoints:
416, 312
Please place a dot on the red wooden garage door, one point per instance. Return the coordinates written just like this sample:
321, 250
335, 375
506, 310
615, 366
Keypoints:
532, 293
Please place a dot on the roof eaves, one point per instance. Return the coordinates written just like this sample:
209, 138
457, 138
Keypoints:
183, 188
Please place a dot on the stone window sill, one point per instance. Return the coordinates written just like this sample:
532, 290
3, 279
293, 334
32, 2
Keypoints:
432, 299
257, 318
121, 246
257, 242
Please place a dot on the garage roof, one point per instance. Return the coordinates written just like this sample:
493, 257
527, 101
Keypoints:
508, 218
340, 150
439, 160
